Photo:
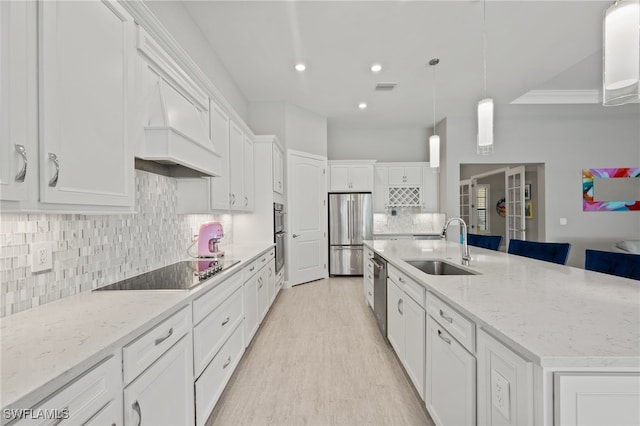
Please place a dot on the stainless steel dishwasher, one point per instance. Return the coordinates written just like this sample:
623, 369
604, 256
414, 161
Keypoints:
380, 292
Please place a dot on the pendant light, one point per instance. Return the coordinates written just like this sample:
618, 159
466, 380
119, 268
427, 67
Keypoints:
485, 106
434, 140
621, 53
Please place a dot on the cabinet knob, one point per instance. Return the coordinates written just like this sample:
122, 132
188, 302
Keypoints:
23, 172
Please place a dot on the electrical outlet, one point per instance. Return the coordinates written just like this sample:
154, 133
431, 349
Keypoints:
41, 257
500, 395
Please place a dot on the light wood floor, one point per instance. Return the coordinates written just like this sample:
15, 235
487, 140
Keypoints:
319, 359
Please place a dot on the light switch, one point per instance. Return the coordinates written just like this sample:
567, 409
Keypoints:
563, 221
500, 393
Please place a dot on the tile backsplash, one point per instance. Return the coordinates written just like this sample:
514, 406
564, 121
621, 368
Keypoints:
408, 220
92, 251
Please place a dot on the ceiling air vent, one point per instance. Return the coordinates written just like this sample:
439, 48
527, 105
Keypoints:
385, 87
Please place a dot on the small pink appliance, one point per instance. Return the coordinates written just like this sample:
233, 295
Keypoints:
208, 238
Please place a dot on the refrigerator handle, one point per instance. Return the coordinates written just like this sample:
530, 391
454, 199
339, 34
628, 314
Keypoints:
349, 219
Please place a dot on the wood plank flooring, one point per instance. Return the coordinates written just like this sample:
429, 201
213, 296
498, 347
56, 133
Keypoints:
319, 359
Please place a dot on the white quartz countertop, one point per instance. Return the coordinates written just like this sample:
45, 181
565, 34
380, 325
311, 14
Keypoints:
553, 315
42, 348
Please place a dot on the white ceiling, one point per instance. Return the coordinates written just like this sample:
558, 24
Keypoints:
530, 45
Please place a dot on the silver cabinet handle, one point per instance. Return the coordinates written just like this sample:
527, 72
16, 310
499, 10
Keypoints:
260, 282
54, 180
399, 305
162, 339
400, 279
295, 235
246, 201
226, 320
252, 268
23, 172
136, 408
264, 259
270, 272
229, 198
226, 364
59, 420
446, 318
448, 341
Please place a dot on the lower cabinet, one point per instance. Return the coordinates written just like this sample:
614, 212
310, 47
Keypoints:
211, 383
163, 394
263, 293
450, 380
505, 385
596, 398
251, 320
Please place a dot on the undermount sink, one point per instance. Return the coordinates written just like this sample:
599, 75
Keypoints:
439, 267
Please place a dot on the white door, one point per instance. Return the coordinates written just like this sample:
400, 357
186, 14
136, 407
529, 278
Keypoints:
465, 201
514, 202
87, 54
18, 137
307, 238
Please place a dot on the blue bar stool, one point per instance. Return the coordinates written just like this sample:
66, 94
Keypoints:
549, 252
491, 242
620, 264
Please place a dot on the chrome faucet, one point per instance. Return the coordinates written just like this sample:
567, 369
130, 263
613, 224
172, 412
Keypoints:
464, 247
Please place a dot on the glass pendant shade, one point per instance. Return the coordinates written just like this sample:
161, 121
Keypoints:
485, 126
434, 151
621, 53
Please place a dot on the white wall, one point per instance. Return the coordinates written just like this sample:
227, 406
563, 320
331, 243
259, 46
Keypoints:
175, 17
306, 131
565, 144
381, 144
269, 118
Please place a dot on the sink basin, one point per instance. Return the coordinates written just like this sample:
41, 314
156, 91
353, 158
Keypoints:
438, 267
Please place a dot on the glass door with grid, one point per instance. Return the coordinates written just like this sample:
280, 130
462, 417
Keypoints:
515, 203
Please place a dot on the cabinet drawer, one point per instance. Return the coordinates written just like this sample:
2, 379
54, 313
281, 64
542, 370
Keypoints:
210, 334
463, 330
85, 397
408, 285
205, 304
264, 258
368, 253
211, 383
141, 353
251, 269
369, 294
111, 414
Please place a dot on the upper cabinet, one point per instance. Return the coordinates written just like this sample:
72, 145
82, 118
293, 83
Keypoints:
405, 185
278, 169
248, 179
219, 190
346, 176
405, 175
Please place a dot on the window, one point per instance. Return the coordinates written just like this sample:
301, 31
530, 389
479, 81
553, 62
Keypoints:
482, 212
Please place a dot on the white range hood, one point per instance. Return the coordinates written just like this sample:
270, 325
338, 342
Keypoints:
176, 132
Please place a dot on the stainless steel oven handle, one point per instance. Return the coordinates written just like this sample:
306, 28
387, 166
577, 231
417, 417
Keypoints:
377, 265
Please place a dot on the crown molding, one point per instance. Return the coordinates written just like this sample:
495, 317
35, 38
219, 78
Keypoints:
541, 97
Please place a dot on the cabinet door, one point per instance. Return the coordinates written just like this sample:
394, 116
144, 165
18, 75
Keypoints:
18, 139
505, 385
251, 321
413, 175
248, 201
271, 280
278, 170
87, 54
380, 188
263, 294
450, 392
395, 319
361, 178
414, 342
220, 138
339, 178
430, 190
396, 175
163, 394
236, 164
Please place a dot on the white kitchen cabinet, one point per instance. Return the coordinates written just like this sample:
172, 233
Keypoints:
263, 293
87, 57
82, 400
271, 280
247, 181
596, 398
163, 394
450, 394
278, 170
18, 109
430, 190
395, 321
251, 318
236, 166
380, 188
505, 384
351, 177
219, 189
402, 175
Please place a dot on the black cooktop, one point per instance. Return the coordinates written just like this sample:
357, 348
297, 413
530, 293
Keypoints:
179, 276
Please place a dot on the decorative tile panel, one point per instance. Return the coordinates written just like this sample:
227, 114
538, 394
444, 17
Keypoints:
94, 251
408, 221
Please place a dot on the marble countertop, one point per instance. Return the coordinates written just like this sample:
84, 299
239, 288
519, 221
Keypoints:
44, 347
554, 315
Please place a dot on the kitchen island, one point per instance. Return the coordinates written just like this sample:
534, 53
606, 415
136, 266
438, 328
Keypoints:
562, 322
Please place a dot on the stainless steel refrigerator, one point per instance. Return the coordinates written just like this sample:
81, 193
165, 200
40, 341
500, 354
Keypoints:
350, 222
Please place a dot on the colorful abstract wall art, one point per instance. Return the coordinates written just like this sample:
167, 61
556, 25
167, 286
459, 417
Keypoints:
591, 204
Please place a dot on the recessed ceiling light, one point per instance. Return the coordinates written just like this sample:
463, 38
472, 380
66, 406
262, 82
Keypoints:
301, 67
362, 105
376, 68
